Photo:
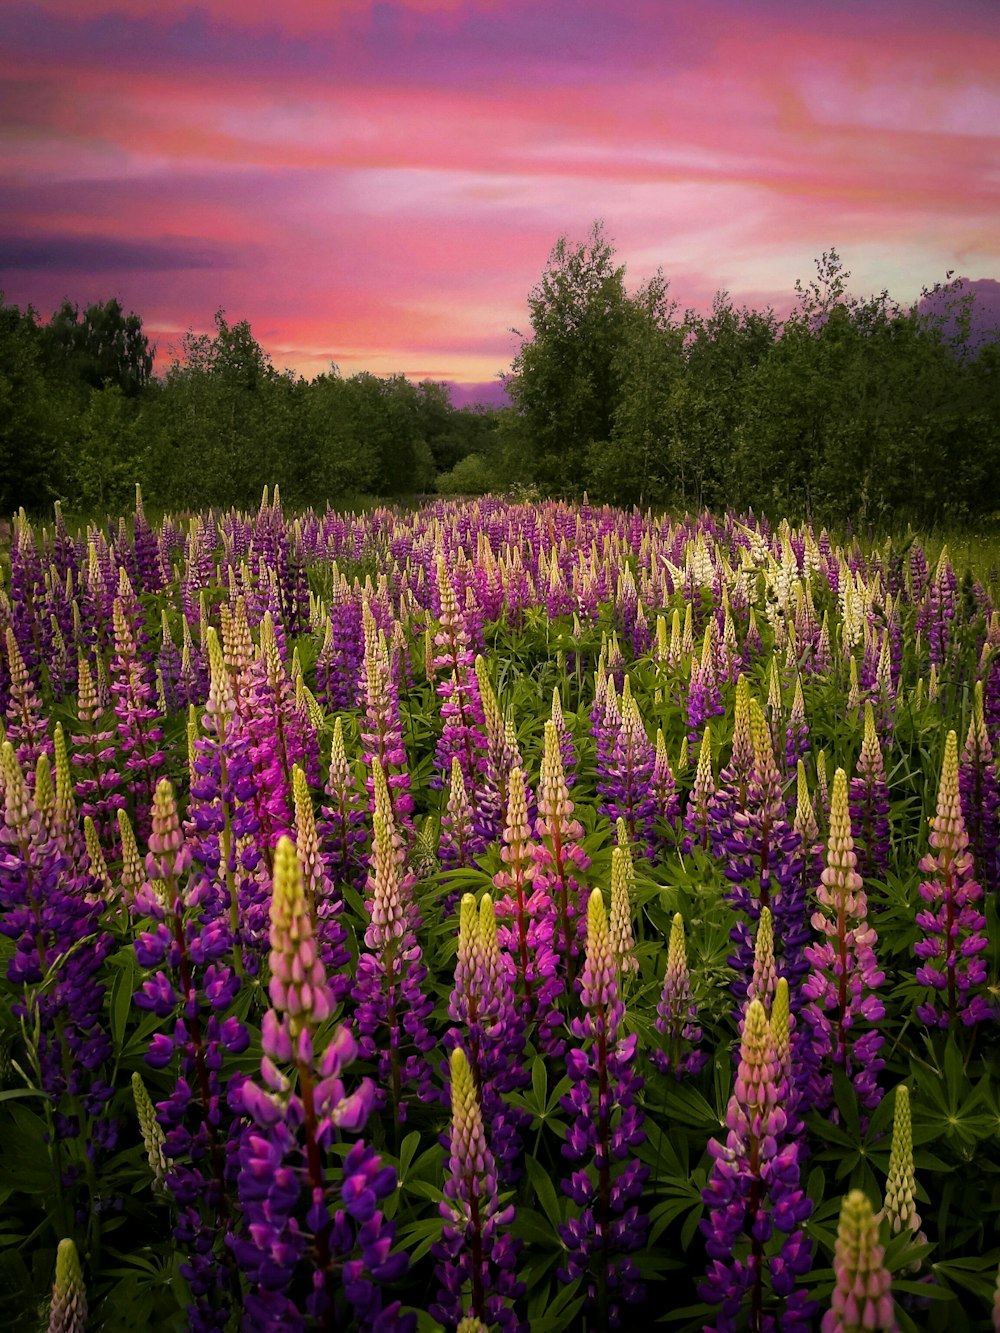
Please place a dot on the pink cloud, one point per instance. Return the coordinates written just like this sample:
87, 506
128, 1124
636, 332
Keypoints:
381, 185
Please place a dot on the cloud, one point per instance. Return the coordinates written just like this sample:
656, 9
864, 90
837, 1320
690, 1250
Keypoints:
68, 254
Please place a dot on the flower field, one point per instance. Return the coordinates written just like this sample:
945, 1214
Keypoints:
496, 916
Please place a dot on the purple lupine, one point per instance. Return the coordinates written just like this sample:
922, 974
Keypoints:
698, 821
52, 918
764, 865
729, 794
797, 731
462, 708
525, 938
862, 1292
344, 824
457, 840
381, 728
295, 1226
756, 1208
139, 733
222, 816
605, 1130
629, 783
326, 905
489, 1029
558, 858
843, 1010
26, 728
94, 753
391, 1007
476, 1255
663, 786
980, 793
953, 964
184, 953
68, 1307
677, 1013
870, 804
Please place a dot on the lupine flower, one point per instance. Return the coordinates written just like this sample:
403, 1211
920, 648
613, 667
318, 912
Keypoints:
622, 888
843, 1010
476, 1256
697, 816
68, 1310
629, 790
325, 902
139, 733
391, 1007
862, 1293
558, 858
756, 1209
605, 1130
901, 1183
980, 793
153, 1137
293, 1219
870, 803
764, 865
461, 709
188, 942
676, 1013
953, 965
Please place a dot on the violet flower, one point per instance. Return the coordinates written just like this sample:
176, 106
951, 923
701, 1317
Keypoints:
843, 1012
952, 952
756, 1208
476, 1266
605, 1129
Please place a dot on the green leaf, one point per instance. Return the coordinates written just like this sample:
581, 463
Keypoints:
544, 1189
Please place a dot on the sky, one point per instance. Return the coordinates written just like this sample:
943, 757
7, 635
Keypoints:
379, 183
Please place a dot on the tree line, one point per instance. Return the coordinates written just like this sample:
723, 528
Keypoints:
847, 410
82, 419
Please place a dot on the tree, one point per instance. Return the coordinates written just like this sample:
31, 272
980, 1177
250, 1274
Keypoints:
563, 382
102, 346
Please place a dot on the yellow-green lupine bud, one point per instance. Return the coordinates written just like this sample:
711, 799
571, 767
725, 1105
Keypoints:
470, 1324
687, 637
44, 796
192, 747
468, 955
488, 942
470, 1158
861, 1301
781, 1033
298, 979
933, 688
622, 939
68, 1310
805, 817
153, 1137
491, 708
901, 1185
132, 874
65, 799
870, 759
675, 637
763, 750
98, 865
662, 645
765, 972
682, 758
756, 1088
948, 836
774, 690
17, 801
821, 780
598, 975
854, 693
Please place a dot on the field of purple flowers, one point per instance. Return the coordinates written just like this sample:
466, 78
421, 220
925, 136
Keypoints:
496, 916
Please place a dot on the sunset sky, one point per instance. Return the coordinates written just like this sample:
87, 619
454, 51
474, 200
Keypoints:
380, 184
